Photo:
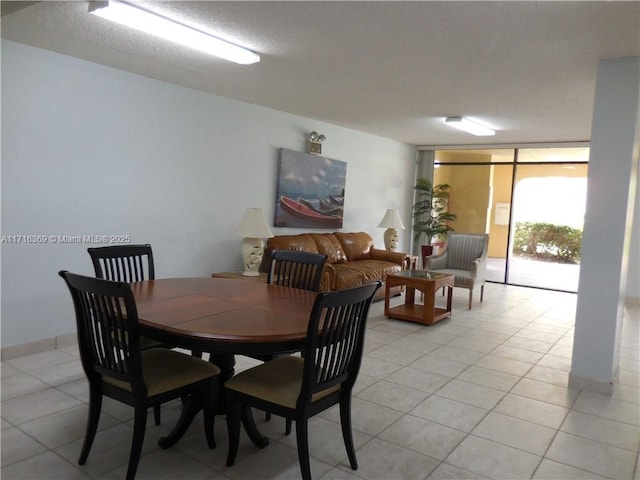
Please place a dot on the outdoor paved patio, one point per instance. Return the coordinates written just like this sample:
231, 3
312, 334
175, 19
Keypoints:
535, 273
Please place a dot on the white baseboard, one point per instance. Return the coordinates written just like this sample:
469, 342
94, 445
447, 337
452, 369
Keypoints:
590, 384
39, 346
632, 301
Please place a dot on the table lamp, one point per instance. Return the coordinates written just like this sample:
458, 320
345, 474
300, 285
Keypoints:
253, 228
391, 221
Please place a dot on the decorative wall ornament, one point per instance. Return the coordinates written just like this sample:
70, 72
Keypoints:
314, 143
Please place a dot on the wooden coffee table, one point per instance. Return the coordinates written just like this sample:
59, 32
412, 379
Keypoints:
426, 282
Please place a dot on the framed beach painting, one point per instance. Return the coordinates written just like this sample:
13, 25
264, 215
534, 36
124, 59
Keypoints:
310, 191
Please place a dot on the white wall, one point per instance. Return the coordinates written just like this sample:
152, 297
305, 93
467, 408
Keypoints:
90, 150
633, 274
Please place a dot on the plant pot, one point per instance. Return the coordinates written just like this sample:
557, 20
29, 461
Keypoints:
438, 247
440, 244
426, 251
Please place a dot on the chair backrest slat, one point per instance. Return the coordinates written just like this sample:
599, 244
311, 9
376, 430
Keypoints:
107, 325
123, 263
296, 269
335, 339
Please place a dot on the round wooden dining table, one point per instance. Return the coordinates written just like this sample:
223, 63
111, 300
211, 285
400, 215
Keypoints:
223, 317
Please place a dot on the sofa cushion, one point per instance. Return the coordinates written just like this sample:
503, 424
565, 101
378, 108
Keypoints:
301, 243
361, 272
327, 244
356, 246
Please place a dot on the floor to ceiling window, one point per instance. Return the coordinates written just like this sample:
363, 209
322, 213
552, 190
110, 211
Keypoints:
531, 202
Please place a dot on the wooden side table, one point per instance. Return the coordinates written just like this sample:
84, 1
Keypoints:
262, 278
426, 282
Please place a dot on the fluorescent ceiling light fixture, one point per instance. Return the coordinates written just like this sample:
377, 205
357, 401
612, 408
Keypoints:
134, 17
469, 126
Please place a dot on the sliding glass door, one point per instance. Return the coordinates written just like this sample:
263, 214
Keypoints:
530, 201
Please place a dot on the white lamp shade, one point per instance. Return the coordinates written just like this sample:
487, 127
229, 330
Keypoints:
392, 219
253, 225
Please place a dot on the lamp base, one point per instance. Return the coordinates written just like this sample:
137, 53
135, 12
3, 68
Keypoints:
391, 239
249, 273
252, 251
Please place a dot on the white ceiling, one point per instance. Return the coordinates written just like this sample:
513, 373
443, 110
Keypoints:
393, 69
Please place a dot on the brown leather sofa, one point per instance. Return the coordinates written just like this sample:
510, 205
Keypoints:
352, 259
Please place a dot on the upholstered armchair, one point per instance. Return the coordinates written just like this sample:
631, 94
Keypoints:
464, 257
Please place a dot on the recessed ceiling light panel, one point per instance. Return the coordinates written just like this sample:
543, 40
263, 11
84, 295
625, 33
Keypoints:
144, 21
469, 126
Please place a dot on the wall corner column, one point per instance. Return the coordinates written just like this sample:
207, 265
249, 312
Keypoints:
613, 173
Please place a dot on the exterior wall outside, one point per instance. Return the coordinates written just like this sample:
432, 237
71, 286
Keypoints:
499, 234
471, 186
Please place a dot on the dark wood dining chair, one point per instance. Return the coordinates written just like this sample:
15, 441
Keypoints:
127, 263
296, 269
109, 343
123, 263
293, 269
298, 388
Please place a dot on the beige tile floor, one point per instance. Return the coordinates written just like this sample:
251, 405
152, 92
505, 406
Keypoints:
481, 395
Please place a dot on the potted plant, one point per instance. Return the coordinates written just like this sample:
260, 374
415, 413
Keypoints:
430, 216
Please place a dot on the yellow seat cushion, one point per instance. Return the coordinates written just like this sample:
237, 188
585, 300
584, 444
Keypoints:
164, 370
278, 381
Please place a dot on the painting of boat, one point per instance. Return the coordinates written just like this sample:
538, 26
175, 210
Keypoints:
305, 215
326, 204
337, 199
323, 208
310, 191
